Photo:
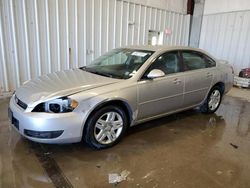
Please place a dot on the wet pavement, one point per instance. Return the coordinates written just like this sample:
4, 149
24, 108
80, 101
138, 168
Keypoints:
188, 149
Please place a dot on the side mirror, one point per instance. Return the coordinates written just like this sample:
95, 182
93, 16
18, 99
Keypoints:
155, 73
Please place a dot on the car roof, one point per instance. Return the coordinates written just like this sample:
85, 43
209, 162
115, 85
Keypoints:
162, 47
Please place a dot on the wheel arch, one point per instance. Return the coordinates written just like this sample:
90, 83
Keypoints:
221, 85
203, 105
115, 102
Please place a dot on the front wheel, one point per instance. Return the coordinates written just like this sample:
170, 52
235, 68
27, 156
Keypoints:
213, 100
105, 127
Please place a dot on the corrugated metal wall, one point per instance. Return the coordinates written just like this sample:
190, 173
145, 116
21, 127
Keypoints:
227, 36
42, 36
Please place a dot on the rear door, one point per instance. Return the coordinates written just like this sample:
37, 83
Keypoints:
199, 74
164, 94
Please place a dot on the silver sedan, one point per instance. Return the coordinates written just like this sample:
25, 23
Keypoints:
122, 88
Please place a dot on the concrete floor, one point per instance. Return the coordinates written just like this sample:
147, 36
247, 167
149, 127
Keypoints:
188, 149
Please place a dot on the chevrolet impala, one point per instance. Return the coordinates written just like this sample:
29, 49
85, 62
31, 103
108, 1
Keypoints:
122, 88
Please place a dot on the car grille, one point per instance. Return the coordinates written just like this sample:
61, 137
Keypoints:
13, 120
20, 103
43, 134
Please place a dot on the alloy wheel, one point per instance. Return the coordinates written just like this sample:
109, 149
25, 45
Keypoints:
108, 127
214, 100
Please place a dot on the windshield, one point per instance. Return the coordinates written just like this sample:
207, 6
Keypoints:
119, 63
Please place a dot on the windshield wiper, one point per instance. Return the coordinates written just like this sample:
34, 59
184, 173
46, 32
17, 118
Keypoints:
83, 68
96, 72
102, 74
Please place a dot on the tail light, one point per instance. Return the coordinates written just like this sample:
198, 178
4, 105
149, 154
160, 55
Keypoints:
232, 69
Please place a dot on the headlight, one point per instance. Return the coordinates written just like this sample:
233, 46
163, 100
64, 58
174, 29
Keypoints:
60, 105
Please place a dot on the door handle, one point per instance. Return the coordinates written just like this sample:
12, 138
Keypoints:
176, 81
209, 75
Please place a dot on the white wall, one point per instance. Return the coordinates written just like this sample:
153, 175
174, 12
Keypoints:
225, 34
171, 5
220, 6
43, 36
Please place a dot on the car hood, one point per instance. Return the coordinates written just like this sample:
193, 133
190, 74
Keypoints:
60, 84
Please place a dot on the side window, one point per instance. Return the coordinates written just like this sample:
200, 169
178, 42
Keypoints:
168, 63
209, 62
194, 60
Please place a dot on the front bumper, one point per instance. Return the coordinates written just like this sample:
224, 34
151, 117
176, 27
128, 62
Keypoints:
61, 127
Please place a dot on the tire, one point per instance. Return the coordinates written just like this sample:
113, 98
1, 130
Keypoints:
214, 94
105, 127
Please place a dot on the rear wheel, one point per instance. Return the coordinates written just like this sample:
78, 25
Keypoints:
105, 127
213, 100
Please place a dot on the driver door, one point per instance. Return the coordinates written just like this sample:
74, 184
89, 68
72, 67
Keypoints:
164, 94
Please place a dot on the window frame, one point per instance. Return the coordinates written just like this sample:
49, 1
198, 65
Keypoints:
143, 76
202, 55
